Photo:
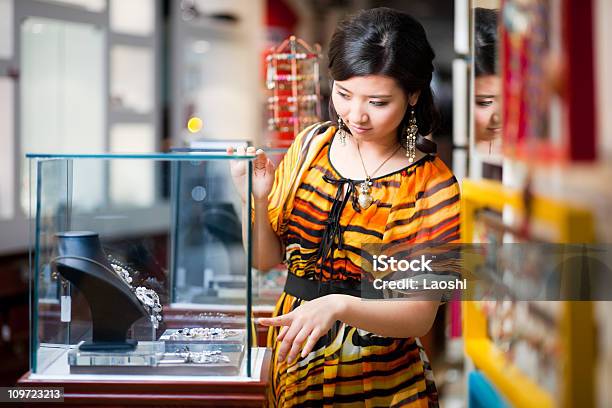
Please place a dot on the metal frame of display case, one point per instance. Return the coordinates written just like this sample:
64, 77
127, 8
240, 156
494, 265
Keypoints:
576, 327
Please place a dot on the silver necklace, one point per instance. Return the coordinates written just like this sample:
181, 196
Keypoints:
150, 299
123, 273
365, 188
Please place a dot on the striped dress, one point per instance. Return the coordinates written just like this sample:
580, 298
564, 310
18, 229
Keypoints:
350, 367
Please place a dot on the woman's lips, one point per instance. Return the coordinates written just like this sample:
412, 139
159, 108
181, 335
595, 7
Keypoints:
359, 129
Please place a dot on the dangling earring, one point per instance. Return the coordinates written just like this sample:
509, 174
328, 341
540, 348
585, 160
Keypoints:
342, 131
411, 136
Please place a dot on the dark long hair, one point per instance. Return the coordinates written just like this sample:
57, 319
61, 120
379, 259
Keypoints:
383, 41
485, 41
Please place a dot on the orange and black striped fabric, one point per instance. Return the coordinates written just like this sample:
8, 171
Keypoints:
351, 367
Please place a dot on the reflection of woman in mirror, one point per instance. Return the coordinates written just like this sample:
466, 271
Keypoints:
487, 85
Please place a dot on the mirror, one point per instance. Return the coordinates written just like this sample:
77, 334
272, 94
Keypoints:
518, 83
486, 136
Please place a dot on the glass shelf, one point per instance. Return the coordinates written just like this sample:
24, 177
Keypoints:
142, 156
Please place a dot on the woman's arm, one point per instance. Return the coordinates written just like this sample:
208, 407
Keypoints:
267, 248
390, 318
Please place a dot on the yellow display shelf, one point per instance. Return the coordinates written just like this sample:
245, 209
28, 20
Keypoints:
576, 328
573, 224
515, 386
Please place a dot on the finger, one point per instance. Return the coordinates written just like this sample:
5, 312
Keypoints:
297, 344
250, 150
282, 333
229, 150
282, 320
315, 335
260, 157
287, 342
270, 166
240, 151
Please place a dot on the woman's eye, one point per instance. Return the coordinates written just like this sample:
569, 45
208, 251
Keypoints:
376, 103
484, 103
345, 96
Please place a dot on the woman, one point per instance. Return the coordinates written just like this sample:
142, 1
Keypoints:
487, 86
316, 213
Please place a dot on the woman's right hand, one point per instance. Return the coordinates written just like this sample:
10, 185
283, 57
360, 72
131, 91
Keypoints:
263, 173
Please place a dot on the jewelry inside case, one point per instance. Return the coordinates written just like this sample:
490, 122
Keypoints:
187, 335
161, 358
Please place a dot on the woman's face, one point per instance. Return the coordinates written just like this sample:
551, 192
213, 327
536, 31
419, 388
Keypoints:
371, 106
486, 112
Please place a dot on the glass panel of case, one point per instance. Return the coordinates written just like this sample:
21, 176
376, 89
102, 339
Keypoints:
128, 176
268, 286
102, 270
214, 280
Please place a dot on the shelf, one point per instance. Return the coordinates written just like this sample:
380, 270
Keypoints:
510, 381
515, 386
573, 224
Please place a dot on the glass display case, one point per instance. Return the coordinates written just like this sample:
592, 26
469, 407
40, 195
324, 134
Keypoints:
104, 270
207, 270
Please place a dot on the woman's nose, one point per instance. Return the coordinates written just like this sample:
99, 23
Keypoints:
496, 118
358, 115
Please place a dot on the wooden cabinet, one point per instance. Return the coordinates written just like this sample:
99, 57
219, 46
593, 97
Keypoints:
157, 393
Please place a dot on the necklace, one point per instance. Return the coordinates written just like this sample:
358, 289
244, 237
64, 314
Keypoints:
365, 188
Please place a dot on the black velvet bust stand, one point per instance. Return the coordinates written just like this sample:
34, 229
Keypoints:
114, 307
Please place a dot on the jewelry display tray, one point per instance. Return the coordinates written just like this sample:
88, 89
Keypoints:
167, 338
156, 358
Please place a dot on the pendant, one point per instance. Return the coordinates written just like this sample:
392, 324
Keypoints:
365, 198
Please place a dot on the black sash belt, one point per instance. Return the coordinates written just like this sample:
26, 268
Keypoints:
308, 289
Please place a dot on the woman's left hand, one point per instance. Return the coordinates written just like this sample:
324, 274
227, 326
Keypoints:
302, 327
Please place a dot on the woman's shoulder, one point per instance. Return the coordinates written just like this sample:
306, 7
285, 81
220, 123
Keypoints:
312, 131
437, 175
438, 167
311, 139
